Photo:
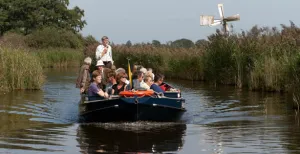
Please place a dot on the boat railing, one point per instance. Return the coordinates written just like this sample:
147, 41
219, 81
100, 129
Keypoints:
167, 94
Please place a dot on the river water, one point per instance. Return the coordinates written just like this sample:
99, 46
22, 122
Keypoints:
218, 120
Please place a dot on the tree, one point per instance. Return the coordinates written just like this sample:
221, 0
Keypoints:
201, 42
88, 40
182, 43
27, 16
156, 43
128, 43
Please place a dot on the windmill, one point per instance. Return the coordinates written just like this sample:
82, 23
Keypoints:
210, 21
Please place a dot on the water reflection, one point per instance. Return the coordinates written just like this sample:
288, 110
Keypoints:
134, 137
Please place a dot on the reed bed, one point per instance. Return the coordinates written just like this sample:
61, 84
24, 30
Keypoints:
58, 57
262, 58
19, 69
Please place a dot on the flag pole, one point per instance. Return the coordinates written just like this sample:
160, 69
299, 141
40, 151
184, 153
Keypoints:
129, 74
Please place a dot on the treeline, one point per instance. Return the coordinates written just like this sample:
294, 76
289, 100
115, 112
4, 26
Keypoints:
180, 43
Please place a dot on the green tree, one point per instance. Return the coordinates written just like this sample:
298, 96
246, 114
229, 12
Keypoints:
28, 15
128, 43
88, 40
53, 37
182, 43
156, 43
201, 42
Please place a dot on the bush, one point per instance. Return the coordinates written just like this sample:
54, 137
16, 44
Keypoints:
13, 40
53, 37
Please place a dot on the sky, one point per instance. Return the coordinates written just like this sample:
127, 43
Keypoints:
168, 20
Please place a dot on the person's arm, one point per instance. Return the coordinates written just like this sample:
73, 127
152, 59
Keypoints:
99, 52
126, 88
113, 89
103, 94
110, 51
83, 81
156, 88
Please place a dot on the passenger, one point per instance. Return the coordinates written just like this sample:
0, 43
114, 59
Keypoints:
144, 70
113, 67
150, 72
104, 52
135, 68
111, 81
122, 70
100, 69
137, 82
94, 89
148, 81
103, 71
121, 85
158, 80
134, 72
166, 87
83, 79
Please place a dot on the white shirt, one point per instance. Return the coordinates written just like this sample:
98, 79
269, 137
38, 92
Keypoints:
144, 85
107, 56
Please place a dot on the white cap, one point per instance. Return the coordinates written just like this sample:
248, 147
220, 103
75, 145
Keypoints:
100, 63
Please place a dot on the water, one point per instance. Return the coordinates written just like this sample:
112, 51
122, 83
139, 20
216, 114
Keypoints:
218, 120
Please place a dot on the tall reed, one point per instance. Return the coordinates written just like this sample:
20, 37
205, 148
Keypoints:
58, 57
19, 70
261, 58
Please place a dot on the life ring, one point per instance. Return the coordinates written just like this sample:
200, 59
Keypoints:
139, 93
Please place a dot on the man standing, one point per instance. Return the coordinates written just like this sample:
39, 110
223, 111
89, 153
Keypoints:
104, 53
83, 79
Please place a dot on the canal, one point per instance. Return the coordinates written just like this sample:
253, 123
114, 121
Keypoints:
218, 120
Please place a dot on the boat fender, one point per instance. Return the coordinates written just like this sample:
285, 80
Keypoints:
137, 93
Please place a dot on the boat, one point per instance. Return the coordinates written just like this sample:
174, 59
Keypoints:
132, 106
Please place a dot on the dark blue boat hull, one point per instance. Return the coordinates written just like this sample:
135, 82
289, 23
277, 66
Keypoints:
132, 109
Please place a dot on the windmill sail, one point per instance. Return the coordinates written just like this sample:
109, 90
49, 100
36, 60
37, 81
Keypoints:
206, 20
210, 21
232, 18
221, 10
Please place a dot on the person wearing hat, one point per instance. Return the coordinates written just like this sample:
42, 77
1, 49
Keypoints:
103, 71
104, 53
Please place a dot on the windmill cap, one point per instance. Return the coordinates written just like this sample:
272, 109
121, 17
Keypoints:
100, 63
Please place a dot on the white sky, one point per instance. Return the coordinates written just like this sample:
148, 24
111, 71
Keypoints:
169, 20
